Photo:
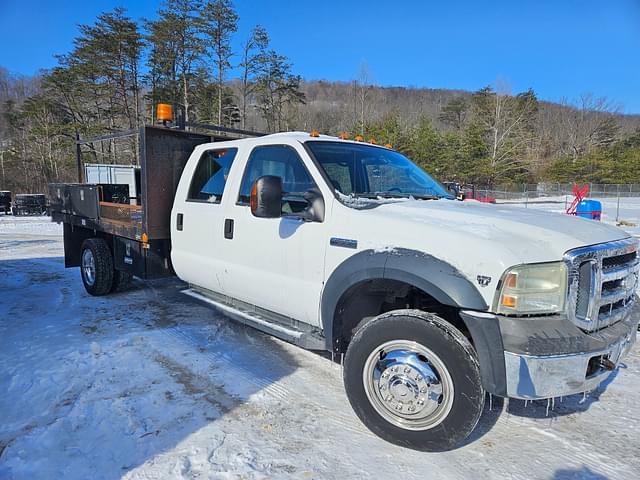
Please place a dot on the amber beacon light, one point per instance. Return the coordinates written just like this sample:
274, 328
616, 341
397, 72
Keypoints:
164, 112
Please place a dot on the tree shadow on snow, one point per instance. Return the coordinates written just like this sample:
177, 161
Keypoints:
584, 473
94, 387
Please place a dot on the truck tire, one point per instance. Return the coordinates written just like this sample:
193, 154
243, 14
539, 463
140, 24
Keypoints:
121, 281
414, 380
96, 266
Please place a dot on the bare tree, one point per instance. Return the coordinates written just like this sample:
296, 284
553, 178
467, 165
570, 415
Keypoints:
588, 124
363, 89
509, 122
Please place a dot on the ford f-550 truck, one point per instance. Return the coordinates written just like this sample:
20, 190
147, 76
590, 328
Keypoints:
351, 248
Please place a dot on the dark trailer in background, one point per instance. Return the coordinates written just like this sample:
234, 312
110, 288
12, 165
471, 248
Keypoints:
137, 232
30, 204
5, 201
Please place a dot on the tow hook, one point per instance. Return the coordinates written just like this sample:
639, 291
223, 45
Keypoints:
607, 364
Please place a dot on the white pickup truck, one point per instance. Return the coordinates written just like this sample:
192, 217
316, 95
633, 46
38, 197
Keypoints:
351, 248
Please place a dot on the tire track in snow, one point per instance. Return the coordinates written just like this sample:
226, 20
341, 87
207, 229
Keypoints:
582, 453
231, 368
272, 387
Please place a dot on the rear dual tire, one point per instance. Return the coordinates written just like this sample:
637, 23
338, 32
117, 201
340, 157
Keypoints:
96, 266
98, 274
414, 380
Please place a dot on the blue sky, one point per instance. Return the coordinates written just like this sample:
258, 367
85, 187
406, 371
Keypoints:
561, 48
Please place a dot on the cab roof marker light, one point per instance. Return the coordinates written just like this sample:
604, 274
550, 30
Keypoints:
388, 145
344, 136
314, 133
359, 138
372, 141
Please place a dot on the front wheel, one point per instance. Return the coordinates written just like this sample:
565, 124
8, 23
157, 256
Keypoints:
414, 380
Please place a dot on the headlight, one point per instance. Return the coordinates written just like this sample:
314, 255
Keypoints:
532, 289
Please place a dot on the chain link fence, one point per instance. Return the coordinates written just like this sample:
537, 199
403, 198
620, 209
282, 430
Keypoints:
546, 190
619, 201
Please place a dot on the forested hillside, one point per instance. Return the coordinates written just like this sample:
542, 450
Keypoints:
119, 69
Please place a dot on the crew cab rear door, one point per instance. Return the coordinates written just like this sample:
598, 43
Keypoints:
197, 218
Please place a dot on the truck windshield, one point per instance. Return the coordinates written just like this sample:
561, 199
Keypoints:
374, 172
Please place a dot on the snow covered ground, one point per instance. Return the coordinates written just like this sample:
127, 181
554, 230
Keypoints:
627, 209
149, 384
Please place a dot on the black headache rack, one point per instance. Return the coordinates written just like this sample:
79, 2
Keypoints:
139, 231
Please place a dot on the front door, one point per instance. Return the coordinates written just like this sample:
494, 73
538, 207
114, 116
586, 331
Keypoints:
277, 263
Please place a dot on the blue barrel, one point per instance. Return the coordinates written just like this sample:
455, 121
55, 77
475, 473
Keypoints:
591, 209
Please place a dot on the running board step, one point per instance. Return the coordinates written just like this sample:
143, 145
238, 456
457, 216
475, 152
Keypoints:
263, 320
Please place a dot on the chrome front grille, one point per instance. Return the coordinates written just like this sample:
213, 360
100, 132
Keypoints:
602, 283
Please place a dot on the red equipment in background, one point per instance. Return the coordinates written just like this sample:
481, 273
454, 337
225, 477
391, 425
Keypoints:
579, 195
471, 194
582, 207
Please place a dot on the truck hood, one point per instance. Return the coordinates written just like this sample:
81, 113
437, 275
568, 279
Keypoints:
529, 235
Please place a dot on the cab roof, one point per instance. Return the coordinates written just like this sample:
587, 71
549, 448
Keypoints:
289, 136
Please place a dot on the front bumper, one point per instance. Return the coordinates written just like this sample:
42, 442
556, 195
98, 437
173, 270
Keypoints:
543, 357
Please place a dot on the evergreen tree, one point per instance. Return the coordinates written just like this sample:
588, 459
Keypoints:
278, 89
178, 49
454, 113
220, 22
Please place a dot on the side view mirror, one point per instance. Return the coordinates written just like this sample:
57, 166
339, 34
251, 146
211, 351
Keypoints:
266, 197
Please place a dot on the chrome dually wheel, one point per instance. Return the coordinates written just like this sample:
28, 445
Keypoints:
408, 385
414, 380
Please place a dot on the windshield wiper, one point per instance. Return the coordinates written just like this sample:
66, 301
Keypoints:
374, 195
428, 197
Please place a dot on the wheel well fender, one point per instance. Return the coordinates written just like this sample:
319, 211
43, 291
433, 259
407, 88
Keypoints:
439, 279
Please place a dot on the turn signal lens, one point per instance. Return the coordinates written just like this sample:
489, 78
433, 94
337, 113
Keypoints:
145, 238
253, 199
509, 301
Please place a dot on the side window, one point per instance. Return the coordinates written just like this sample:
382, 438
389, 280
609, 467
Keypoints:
210, 176
281, 161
